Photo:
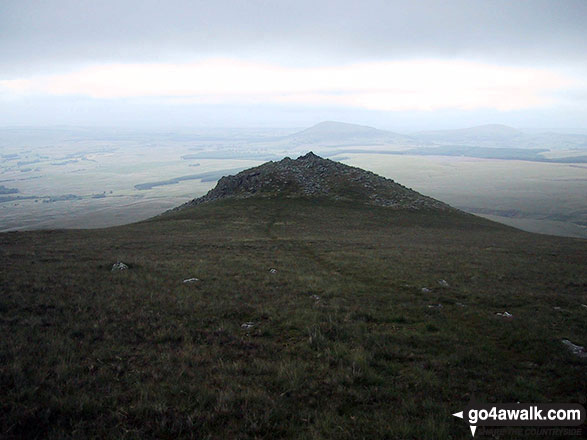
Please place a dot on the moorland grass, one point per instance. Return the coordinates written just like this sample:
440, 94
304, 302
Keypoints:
343, 344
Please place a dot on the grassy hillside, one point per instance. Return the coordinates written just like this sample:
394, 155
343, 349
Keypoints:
341, 340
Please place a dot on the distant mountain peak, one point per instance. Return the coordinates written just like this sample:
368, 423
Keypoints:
311, 176
342, 133
341, 128
338, 125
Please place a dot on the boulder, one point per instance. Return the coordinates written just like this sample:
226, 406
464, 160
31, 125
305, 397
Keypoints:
577, 350
435, 306
116, 267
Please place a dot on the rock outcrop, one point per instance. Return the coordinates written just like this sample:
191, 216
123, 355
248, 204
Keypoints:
313, 176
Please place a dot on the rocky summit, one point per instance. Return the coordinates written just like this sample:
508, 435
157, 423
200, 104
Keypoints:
313, 176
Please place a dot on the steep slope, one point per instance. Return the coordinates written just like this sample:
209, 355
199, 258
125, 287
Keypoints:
313, 176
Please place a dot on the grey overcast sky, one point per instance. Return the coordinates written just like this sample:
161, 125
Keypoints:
396, 64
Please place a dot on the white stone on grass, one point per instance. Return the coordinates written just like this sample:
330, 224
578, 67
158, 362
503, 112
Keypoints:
577, 350
119, 266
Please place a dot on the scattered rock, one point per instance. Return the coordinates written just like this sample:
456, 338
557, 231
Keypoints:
584, 305
190, 280
313, 176
505, 315
529, 365
443, 283
119, 266
577, 350
557, 308
272, 270
248, 325
316, 297
435, 306
461, 305
425, 290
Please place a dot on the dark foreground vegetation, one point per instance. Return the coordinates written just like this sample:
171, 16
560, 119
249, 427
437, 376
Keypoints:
339, 342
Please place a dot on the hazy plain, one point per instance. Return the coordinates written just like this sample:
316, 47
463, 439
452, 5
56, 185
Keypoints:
74, 182
550, 198
83, 178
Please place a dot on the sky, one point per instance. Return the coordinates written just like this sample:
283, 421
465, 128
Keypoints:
403, 65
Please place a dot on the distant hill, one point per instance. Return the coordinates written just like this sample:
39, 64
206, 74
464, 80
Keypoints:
343, 135
497, 135
473, 135
340, 133
330, 138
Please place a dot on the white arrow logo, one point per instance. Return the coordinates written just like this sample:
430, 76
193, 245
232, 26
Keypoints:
461, 416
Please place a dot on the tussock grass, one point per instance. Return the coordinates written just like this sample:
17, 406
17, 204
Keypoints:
343, 343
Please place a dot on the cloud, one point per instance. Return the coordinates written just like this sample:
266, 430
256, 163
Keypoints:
265, 60
393, 85
40, 34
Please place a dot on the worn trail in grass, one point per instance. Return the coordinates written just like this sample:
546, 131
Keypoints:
343, 343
